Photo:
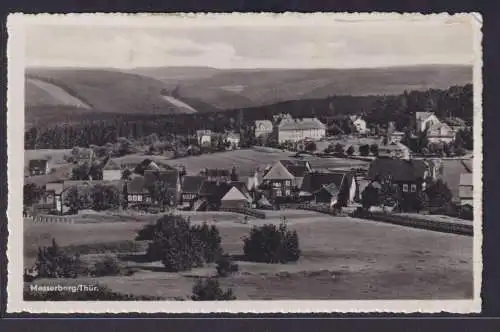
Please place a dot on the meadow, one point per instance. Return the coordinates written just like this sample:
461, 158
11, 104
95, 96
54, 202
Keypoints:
342, 258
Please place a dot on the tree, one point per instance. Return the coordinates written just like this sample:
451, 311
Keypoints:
370, 197
81, 172
310, 146
126, 174
439, 193
209, 290
161, 193
226, 266
77, 198
31, 194
350, 150
53, 262
374, 149
124, 146
364, 150
234, 174
339, 149
105, 197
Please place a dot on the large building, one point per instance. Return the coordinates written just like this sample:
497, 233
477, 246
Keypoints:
294, 130
425, 120
440, 133
263, 128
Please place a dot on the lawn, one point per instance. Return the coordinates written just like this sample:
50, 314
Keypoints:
342, 258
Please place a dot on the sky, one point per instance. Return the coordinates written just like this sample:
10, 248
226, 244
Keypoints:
242, 43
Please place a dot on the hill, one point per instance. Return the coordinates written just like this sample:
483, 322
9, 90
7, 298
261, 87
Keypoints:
74, 94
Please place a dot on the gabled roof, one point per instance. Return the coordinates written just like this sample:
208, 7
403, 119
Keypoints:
192, 183
266, 124
440, 126
316, 181
235, 194
214, 189
170, 178
296, 168
217, 172
399, 170
111, 165
301, 124
38, 163
241, 186
423, 115
136, 185
91, 183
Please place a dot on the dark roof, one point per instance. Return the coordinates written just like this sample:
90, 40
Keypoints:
170, 178
192, 183
315, 181
398, 169
38, 163
136, 185
217, 172
214, 189
296, 168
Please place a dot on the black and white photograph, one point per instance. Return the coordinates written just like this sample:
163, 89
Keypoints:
244, 162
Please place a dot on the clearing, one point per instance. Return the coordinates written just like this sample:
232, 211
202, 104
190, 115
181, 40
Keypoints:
342, 258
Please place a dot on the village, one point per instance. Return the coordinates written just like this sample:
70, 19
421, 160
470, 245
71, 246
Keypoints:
334, 174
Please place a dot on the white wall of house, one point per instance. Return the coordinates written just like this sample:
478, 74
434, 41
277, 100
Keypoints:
424, 124
360, 125
111, 174
300, 134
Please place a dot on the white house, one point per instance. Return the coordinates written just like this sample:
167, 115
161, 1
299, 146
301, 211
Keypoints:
234, 140
204, 137
440, 133
263, 128
425, 120
295, 130
359, 124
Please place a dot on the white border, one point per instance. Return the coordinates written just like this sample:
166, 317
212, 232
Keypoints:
15, 148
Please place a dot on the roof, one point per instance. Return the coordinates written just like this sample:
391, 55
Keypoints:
296, 168
263, 123
170, 178
37, 163
136, 185
57, 187
217, 172
454, 121
398, 169
315, 181
111, 165
423, 115
466, 179
241, 186
75, 183
192, 183
301, 124
214, 189
235, 194
332, 189
440, 127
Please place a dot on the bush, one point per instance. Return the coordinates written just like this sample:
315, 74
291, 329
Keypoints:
364, 150
52, 262
350, 150
209, 290
374, 149
108, 266
226, 266
270, 244
181, 246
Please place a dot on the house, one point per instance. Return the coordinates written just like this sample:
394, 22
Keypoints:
204, 137
284, 178
452, 171
294, 130
237, 197
111, 171
190, 189
234, 140
425, 120
396, 136
136, 192
53, 195
359, 124
336, 187
440, 133
214, 174
407, 175
210, 195
38, 167
169, 178
394, 150
466, 189
263, 128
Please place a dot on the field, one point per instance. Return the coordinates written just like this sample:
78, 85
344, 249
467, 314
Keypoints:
93, 93
342, 258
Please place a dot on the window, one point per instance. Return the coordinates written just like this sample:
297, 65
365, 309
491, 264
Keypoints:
413, 188
276, 184
405, 188
278, 192
288, 182
287, 192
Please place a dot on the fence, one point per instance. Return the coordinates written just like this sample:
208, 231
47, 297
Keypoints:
50, 219
416, 222
246, 211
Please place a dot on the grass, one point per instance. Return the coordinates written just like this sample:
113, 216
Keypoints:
343, 258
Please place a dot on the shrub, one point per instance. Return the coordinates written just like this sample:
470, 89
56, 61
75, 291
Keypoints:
179, 245
364, 150
271, 244
350, 150
52, 262
339, 148
374, 149
209, 290
226, 266
108, 266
